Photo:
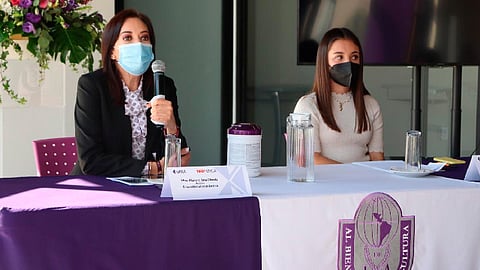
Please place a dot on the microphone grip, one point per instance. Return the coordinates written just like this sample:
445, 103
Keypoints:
159, 83
159, 124
159, 89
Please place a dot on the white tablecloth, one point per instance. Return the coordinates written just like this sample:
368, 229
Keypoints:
300, 221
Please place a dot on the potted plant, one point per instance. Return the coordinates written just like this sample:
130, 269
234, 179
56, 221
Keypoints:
54, 29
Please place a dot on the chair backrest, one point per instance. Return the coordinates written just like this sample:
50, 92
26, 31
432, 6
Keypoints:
55, 156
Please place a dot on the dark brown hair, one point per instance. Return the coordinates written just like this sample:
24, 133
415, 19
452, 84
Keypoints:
321, 83
109, 37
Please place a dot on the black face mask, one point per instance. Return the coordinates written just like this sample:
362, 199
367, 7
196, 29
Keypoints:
345, 74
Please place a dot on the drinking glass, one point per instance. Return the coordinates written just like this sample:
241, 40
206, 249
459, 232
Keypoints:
413, 161
173, 157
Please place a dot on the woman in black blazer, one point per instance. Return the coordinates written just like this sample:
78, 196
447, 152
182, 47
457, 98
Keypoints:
113, 120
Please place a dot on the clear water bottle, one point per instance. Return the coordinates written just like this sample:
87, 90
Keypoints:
300, 148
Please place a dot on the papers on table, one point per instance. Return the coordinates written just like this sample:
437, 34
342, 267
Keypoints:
137, 181
396, 167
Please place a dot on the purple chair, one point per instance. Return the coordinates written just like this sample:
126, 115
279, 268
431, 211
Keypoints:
55, 156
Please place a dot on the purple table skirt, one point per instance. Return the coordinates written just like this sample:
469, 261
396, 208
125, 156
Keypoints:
93, 223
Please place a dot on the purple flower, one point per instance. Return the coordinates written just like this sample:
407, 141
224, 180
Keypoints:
28, 27
33, 18
25, 3
71, 5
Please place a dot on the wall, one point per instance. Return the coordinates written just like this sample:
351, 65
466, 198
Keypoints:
48, 113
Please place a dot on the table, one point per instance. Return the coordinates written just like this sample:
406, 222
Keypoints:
300, 221
93, 223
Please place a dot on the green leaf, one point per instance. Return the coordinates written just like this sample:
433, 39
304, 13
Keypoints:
3, 36
44, 40
32, 45
73, 43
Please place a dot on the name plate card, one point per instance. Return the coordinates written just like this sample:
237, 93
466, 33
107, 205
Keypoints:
473, 171
213, 182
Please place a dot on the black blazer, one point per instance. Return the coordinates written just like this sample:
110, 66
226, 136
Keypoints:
103, 131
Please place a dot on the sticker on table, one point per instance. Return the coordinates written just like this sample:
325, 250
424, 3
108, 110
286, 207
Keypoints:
378, 237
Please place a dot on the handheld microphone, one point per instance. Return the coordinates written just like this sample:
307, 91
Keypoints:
158, 68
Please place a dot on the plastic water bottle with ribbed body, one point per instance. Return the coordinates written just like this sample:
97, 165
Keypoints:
300, 148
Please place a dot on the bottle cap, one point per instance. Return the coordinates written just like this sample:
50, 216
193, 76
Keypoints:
245, 129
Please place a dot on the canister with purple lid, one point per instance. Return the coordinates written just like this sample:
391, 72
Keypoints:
245, 147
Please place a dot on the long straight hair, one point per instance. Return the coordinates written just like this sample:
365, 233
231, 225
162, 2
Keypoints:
322, 79
109, 38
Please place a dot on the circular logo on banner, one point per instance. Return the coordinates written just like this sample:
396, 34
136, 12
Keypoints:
378, 237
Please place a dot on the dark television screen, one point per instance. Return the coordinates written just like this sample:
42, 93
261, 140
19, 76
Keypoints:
396, 32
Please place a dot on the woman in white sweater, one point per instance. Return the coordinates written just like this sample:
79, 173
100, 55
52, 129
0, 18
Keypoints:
347, 120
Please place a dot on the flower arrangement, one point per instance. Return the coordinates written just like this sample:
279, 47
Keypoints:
55, 29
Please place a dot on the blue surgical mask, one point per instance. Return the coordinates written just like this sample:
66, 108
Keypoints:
135, 58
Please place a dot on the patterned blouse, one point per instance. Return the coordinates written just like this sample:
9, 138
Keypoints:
135, 108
